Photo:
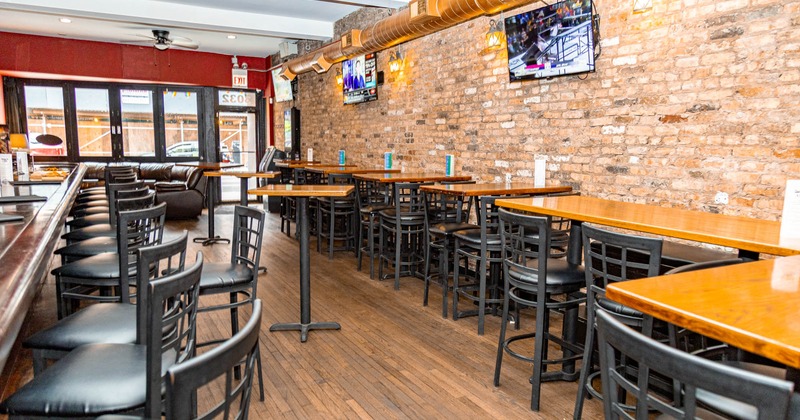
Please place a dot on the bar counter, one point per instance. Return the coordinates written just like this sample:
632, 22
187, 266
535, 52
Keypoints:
26, 248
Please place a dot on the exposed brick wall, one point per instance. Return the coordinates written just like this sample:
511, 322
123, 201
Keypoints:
691, 98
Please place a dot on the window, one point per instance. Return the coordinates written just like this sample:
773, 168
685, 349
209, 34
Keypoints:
138, 128
180, 123
94, 122
44, 108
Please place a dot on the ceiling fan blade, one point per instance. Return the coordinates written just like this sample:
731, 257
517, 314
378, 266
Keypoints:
144, 36
191, 45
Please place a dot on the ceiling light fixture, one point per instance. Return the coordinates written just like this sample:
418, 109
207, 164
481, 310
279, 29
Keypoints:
65, 20
231, 36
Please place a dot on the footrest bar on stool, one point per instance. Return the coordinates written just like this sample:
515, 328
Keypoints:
305, 328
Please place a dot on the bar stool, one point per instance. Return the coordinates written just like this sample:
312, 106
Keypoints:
533, 281
336, 218
445, 214
402, 230
371, 200
482, 248
606, 260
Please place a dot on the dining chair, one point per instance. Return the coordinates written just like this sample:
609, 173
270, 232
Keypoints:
531, 278
401, 233
103, 229
336, 218
757, 396
97, 379
371, 200
239, 276
606, 260
107, 322
445, 214
79, 280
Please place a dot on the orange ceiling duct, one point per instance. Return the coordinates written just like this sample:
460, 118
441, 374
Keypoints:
422, 17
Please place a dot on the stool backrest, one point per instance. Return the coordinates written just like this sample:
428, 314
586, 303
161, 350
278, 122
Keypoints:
522, 236
248, 234
170, 328
136, 229
768, 398
185, 379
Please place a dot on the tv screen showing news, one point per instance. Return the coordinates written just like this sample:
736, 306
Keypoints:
555, 40
360, 79
283, 88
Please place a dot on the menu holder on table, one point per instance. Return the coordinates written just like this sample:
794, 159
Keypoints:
790, 221
10, 218
21, 199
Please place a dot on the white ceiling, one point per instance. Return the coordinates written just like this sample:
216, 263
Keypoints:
259, 25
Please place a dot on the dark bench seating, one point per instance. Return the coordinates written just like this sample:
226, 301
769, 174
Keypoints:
181, 187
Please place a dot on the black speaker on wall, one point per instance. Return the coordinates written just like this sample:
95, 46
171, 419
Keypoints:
380, 78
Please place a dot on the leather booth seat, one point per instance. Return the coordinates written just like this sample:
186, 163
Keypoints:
181, 187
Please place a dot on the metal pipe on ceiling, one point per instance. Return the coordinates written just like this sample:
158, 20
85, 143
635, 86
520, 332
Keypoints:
400, 28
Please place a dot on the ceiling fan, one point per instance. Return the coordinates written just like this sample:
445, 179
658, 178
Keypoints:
162, 41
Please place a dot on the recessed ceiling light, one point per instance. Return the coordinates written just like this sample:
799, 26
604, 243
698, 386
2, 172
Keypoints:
65, 20
231, 36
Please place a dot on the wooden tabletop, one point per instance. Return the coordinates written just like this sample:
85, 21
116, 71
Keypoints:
733, 231
472, 190
244, 174
752, 306
388, 178
301, 164
210, 166
288, 190
347, 169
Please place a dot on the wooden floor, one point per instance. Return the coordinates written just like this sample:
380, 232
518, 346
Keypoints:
393, 358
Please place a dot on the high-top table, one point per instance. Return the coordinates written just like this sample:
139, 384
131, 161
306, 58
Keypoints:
350, 170
477, 190
244, 177
750, 236
752, 306
211, 191
390, 178
302, 193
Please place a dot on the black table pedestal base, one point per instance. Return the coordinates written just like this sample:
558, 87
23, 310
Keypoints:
305, 328
211, 241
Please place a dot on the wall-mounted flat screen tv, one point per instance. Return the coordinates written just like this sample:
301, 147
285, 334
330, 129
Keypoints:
360, 79
283, 88
555, 40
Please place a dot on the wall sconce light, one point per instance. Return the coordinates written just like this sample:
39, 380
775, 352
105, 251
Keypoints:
339, 77
495, 38
641, 6
395, 61
18, 141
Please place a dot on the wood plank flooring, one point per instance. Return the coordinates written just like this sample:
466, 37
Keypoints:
393, 358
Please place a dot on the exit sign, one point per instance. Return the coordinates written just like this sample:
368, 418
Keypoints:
239, 77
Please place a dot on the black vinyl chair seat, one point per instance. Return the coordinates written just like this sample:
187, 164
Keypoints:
90, 210
450, 228
100, 266
617, 308
374, 209
81, 386
94, 231
88, 248
391, 214
562, 277
89, 220
102, 323
473, 237
224, 275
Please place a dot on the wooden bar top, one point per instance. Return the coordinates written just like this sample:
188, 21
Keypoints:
243, 174
472, 190
388, 178
733, 231
753, 306
311, 190
26, 248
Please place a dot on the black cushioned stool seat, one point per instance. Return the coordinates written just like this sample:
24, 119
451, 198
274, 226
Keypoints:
224, 275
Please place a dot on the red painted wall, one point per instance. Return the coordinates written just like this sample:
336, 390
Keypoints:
67, 57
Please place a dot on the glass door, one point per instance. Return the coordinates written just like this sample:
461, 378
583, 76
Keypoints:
237, 144
138, 134
47, 132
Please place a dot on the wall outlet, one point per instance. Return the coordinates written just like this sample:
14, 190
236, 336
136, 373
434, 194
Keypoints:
721, 198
